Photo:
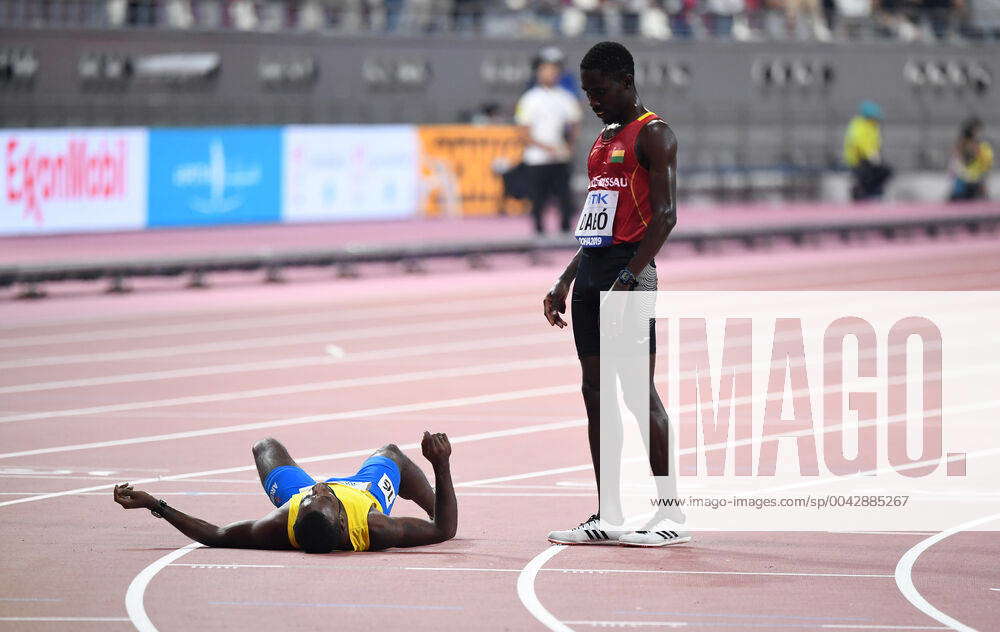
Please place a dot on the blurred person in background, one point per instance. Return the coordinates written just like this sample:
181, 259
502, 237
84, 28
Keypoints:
863, 153
720, 16
804, 20
179, 14
550, 116
971, 162
131, 12
243, 15
942, 16
852, 19
554, 55
898, 19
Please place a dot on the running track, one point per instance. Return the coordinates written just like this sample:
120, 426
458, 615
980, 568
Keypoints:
176, 384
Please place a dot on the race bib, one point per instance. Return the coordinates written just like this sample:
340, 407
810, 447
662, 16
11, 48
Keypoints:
388, 489
597, 220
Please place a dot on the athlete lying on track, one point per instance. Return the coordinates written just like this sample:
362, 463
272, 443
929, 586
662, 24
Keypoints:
338, 514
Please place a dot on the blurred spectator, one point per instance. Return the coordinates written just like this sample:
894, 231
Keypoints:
942, 16
489, 113
863, 153
131, 12
971, 162
898, 18
344, 16
554, 55
551, 117
654, 23
852, 18
424, 16
720, 16
243, 15
468, 15
804, 20
179, 14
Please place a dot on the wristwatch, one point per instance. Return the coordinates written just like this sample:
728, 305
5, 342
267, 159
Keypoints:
159, 508
626, 278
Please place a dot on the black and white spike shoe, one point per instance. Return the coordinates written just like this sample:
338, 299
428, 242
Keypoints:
664, 536
588, 532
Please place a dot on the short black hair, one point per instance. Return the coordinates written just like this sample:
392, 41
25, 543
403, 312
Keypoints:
609, 57
315, 533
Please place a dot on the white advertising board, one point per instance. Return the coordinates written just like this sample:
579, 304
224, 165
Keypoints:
68, 180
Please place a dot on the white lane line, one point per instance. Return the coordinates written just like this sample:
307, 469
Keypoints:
565, 571
921, 533
232, 566
526, 590
137, 588
517, 477
494, 434
289, 363
513, 292
584, 571
292, 389
333, 315
502, 396
65, 619
29, 599
604, 571
810, 626
381, 331
904, 573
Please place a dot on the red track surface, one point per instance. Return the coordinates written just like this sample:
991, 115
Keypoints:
414, 348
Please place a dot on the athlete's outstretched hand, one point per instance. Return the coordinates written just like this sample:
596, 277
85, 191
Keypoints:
130, 498
554, 304
436, 447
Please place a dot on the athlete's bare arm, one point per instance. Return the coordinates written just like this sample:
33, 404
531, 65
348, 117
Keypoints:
267, 533
386, 532
657, 152
554, 302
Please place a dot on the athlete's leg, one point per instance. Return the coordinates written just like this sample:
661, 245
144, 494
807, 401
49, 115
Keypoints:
591, 369
539, 195
413, 484
564, 197
268, 454
661, 449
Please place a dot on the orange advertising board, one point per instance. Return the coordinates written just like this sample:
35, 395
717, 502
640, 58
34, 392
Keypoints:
459, 169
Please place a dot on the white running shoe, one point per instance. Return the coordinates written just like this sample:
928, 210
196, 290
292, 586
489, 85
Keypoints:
660, 537
588, 532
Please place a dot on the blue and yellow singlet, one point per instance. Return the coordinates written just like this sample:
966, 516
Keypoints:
357, 503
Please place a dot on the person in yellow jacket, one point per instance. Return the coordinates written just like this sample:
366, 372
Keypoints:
863, 153
971, 162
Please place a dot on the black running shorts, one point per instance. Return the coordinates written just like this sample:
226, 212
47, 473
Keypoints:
598, 270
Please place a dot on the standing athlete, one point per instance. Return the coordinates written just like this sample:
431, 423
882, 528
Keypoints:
630, 211
339, 514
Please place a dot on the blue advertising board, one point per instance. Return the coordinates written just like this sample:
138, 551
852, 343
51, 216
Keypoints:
214, 176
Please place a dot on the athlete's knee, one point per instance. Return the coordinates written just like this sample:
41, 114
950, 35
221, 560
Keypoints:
391, 449
263, 446
590, 389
